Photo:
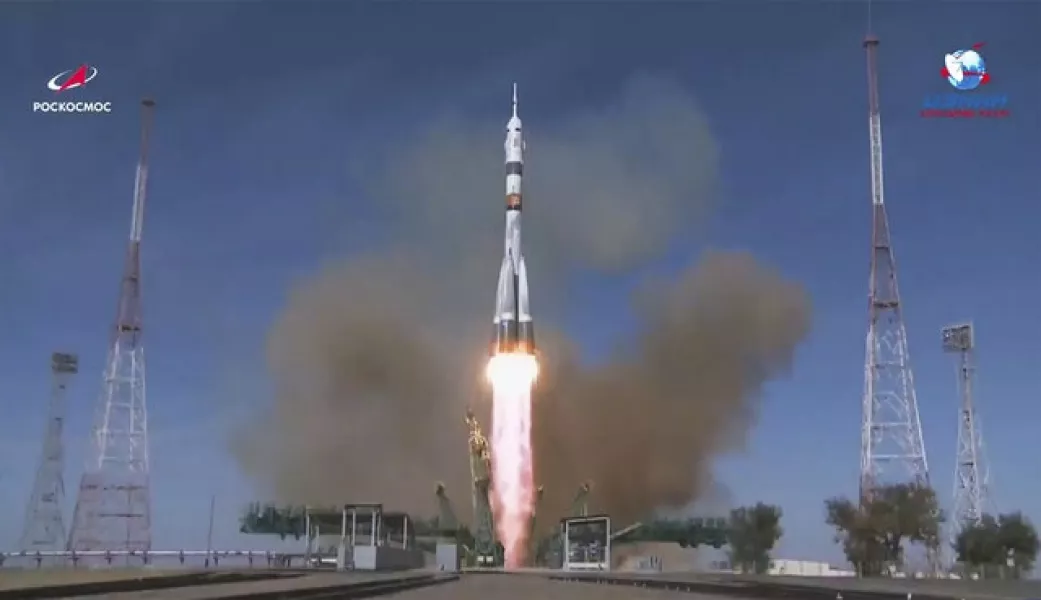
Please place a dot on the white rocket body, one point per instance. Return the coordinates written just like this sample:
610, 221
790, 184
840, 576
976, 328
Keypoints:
514, 330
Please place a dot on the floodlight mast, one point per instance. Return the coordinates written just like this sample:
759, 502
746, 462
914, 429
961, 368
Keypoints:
971, 476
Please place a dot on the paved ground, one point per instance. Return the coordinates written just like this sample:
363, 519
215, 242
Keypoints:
968, 590
208, 592
22, 578
532, 587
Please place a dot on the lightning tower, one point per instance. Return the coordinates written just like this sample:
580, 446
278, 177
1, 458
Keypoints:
970, 471
44, 527
113, 506
891, 433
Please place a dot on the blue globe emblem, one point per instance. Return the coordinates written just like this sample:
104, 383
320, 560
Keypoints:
965, 70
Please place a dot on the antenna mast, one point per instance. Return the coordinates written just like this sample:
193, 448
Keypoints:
113, 507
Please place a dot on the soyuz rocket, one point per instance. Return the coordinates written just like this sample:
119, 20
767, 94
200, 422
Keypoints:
514, 330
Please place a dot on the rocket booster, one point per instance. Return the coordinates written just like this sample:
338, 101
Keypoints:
514, 330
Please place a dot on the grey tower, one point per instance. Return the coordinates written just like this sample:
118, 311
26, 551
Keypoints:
44, 527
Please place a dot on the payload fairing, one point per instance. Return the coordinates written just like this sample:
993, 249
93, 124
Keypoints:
514, 330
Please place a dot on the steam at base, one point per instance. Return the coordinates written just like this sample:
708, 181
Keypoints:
513, 493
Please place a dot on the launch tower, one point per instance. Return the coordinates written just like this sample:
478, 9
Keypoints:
485, 547
44, 527
970, 471
891, 432
113, 506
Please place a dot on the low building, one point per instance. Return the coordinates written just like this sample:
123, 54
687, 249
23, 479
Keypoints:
806, 568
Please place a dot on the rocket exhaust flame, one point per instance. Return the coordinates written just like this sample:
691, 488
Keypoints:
513, 493
512, 368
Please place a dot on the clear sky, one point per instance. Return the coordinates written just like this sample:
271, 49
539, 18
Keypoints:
262, 106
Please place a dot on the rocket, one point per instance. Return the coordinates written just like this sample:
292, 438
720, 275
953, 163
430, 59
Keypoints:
514, 330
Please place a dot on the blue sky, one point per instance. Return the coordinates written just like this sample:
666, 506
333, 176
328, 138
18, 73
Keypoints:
265, 108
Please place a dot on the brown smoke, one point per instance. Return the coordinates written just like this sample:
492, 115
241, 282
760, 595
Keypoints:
375, 359
644, 426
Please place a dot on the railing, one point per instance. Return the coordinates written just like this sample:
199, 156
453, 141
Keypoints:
252, 557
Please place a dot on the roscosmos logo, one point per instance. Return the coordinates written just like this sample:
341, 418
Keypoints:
68, 80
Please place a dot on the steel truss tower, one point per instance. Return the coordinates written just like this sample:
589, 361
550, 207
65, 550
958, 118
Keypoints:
485, 548
891, 429
44, 527
970, 471
113, 507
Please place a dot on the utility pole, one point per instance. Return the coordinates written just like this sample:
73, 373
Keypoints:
114, 504
44, 527
209, 530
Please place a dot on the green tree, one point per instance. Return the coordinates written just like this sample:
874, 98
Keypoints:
752, 533
978, 547
1002, 546
873, 532
1020, 542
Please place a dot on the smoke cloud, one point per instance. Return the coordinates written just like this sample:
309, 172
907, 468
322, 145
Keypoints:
375, 359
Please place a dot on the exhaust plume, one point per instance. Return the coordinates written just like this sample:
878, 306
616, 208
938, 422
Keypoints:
375, 359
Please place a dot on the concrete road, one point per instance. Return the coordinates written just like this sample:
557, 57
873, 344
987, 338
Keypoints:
533, 587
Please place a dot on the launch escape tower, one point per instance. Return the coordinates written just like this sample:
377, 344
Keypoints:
44, 527
971, 477
485, 547
113, 506
891, 429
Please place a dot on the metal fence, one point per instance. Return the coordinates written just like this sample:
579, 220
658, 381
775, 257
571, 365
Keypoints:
155, 558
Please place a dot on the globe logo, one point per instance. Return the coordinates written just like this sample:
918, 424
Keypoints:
965, 69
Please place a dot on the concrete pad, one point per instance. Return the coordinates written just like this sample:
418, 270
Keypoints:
22, 578
517, 587
219, 590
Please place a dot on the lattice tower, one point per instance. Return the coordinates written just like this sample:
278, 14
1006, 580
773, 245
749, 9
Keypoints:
44, 527
971, 475
891, 428
113, 506
480, 473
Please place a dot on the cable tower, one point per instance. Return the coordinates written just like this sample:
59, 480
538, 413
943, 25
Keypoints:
970, 472
113, 507
891, 430
44, 527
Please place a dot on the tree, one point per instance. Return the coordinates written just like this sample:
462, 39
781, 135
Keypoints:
860, 543
978, 548
1006, 545
752, 533
1020, 541
873, 533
